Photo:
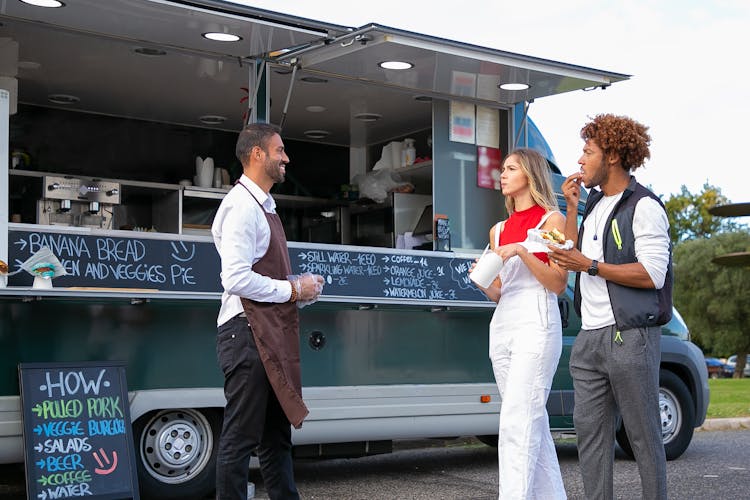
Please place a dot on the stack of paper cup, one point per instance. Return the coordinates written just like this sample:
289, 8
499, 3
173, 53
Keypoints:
487, 269
204, 171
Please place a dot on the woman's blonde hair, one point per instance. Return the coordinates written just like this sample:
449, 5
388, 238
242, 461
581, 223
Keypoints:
537, 170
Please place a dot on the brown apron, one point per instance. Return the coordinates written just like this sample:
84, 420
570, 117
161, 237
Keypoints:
275, 327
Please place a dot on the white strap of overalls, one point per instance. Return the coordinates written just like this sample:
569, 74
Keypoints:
498, 229
545, 217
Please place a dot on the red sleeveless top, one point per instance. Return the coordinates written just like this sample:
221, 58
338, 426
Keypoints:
517, 225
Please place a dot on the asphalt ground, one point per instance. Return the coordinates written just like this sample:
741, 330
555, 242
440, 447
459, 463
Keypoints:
12, 480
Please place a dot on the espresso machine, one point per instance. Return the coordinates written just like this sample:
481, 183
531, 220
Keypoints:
77, 201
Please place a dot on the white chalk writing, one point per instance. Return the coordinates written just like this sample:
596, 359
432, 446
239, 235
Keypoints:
402, 276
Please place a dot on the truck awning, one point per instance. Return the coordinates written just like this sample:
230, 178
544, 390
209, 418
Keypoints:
443, 68
147, 59
176, 23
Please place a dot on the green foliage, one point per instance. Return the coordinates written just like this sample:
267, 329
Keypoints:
714, 300
689, 217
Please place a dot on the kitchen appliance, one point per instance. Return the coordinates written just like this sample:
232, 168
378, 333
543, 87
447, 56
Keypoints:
77, 201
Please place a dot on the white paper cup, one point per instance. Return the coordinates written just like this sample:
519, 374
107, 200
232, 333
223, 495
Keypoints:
487, 269
43, 283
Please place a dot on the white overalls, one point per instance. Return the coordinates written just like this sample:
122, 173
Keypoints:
525, 347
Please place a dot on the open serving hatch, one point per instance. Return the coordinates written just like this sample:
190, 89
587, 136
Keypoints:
439, 68
147, 59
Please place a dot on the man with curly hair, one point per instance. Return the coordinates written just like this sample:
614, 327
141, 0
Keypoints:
623, 294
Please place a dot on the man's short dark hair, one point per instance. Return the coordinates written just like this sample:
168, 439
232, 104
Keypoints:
254, 134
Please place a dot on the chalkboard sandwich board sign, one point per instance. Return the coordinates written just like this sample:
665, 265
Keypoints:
76, 431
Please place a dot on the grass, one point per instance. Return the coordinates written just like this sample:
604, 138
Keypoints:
730, 398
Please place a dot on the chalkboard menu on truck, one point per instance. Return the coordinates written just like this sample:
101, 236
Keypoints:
194, 266
77, 435
115, 262
376, 273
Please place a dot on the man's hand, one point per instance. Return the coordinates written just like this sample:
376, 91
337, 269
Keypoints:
571, 189
310, 286
570, 260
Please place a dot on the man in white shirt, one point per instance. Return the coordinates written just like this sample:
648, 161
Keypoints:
623, 295
258, 324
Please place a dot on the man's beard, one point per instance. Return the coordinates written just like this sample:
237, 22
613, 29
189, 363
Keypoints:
273, 170
600, 177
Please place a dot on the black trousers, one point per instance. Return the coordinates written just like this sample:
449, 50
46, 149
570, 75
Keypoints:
253, 420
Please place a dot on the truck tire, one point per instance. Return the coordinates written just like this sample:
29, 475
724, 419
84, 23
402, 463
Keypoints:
677, 413
176, 453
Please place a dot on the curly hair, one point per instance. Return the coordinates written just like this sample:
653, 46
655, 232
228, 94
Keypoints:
619, 135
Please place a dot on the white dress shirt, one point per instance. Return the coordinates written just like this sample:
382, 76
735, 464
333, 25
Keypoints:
651, 232
241, 235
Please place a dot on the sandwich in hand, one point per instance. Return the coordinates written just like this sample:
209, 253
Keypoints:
553, 236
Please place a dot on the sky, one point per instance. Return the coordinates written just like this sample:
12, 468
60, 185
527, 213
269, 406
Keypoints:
690, 79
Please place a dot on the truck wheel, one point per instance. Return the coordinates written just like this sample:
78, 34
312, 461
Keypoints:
176, 453
677, 417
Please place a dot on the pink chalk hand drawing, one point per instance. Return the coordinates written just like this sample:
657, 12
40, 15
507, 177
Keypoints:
101, 469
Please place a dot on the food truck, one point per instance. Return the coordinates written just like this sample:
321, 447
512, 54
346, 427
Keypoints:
118, 122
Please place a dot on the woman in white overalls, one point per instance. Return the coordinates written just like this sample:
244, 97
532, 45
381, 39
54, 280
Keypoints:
525, 331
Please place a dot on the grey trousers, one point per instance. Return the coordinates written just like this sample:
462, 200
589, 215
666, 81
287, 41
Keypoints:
614, 370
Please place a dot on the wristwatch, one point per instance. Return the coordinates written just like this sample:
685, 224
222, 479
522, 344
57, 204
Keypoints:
593, 268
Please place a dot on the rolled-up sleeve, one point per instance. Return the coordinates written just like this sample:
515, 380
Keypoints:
651, 232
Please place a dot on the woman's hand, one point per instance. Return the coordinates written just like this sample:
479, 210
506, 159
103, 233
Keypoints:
510, 250
493, 291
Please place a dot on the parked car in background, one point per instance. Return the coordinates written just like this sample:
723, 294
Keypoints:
730, 364
715, 368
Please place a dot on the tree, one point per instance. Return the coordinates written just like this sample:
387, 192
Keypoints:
715, 300
689, 216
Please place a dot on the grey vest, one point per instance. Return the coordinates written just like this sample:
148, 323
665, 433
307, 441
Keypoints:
632, 307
